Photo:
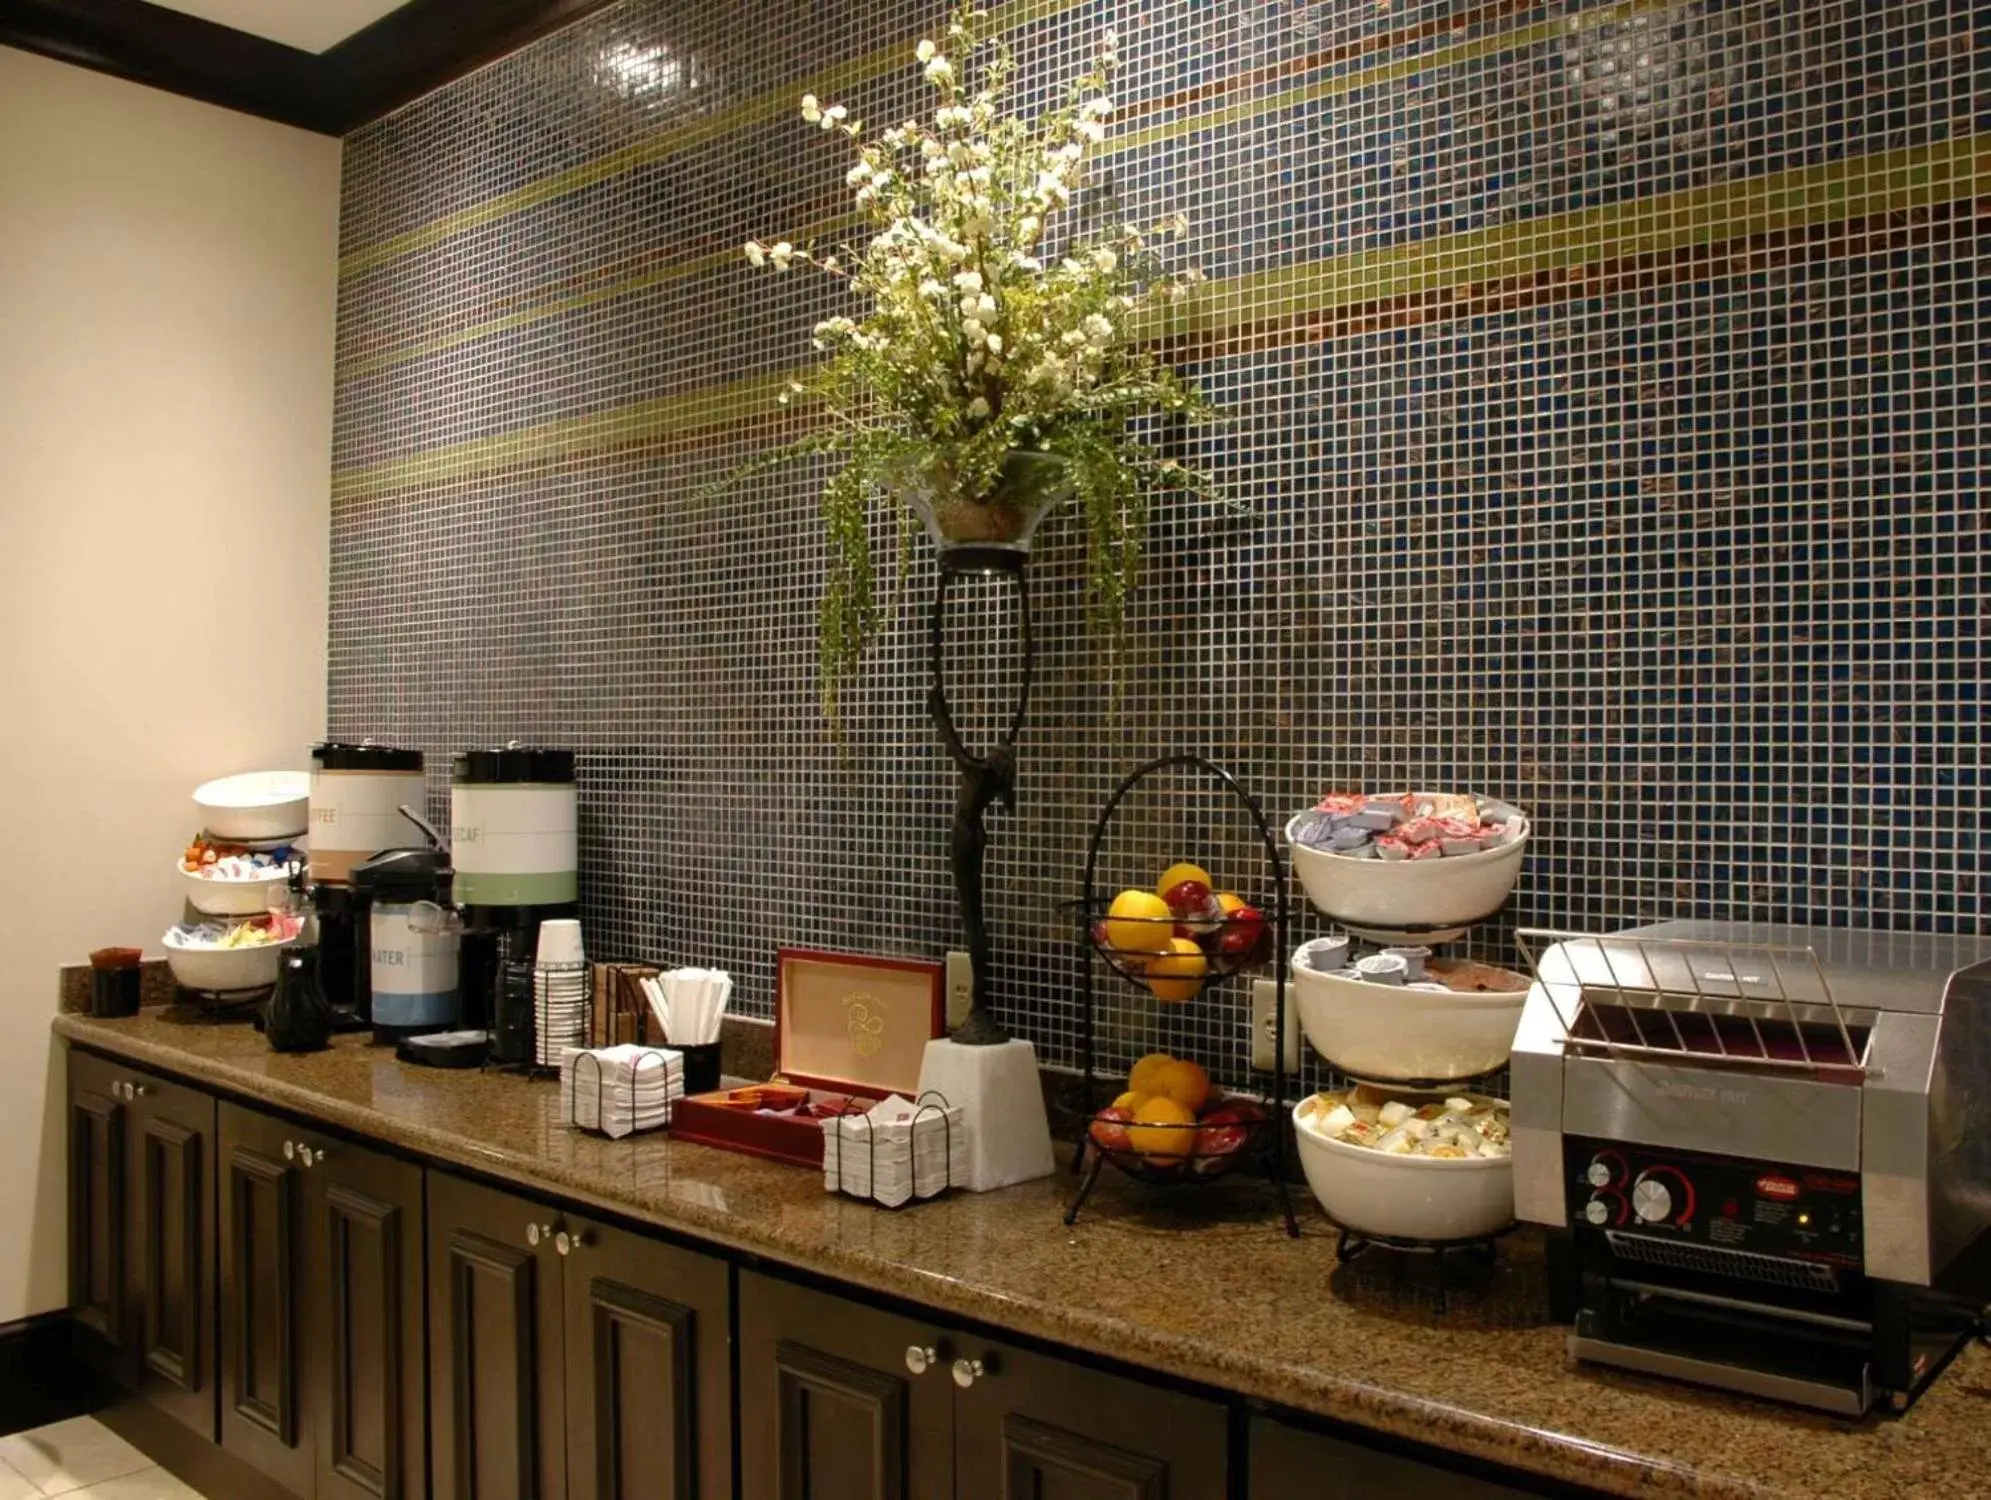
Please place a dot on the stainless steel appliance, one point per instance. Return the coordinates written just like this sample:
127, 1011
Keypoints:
1763, 1148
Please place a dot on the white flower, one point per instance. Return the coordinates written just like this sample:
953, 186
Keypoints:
812, 109
832, 116
1105, 259
995, 343
831, 264
1176, 224
985, 307
1092, 130
1100, 108
782, 255
975, 333
969, 281
925, 51
857, 173
940, 71
1051, 187
1027, 227
756, 252
1072, 339
976, 361
932, 288
978, 409
1029, 263
1070, 152
1097, 329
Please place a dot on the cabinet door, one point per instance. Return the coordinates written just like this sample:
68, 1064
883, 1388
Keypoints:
496, 1355
98, 1222
170, 1167
1029, 1425
830, 1404
365, 1382
262, 1271
649, 1393
1287, 1463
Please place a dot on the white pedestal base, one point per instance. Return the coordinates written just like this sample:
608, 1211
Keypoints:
1002, 1105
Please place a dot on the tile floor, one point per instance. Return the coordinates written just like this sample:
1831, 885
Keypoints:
82, 1459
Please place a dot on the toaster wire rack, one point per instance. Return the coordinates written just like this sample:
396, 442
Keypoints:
1752, 1006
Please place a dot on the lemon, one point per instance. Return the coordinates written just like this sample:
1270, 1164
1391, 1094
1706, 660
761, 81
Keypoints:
1141, 1080
1163, 1131
1139, 922
1184, 1082
1174, 875
1177, 975
1130, 1101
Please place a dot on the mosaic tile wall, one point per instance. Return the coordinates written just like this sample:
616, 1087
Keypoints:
1605, 379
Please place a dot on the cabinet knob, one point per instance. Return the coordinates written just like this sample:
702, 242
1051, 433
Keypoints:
136, 1090
537, 1233
919, 1360
290, 1150
967, 1372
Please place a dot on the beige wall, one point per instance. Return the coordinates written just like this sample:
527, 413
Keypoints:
167, 290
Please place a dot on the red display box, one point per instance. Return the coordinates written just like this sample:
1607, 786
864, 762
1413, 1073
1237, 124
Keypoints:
846, 1027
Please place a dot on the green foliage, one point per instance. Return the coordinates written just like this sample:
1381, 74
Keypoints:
996, 330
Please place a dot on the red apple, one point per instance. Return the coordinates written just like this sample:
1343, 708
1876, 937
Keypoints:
1109, 1130
1242, 935
1220, 1135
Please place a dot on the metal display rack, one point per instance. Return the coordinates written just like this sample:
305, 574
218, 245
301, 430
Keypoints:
1267, 1138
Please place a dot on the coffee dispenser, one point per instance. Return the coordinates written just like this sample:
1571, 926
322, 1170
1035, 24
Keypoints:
357, 792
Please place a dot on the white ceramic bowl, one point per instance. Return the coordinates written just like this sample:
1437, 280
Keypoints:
212, 896
1378, 898
1406, 1197
224, 968
256, 805
1390, 1034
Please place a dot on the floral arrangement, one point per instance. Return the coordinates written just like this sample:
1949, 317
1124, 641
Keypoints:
996, 371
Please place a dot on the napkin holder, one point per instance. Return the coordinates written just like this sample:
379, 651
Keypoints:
845, 1027
857, 1151
589, 1074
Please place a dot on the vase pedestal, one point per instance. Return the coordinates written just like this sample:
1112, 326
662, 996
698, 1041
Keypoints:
1002, 1108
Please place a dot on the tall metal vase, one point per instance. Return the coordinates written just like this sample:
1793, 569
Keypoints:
990, 537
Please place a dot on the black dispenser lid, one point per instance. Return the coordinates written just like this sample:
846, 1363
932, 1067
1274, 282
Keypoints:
343, 755
512, 763
404, 875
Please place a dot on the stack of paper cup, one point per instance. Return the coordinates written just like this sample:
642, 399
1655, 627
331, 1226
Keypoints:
561, 992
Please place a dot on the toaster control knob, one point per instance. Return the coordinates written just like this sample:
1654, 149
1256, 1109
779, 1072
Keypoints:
1597, 1211
1651, 1200
1599, 1174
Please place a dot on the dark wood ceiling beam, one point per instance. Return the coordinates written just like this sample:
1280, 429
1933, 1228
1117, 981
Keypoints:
400, 57
179, 53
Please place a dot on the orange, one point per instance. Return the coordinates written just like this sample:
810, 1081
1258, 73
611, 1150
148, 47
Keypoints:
1177, 975
1163, 1131
1174, 875
1131, 1101
1183, 1083
1141, 1079
1139, 922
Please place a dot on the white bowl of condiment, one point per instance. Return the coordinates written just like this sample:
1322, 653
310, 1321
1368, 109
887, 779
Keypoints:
198, 966
1405, 1034
255, 805
222, 896
1406, 1197
1437, 899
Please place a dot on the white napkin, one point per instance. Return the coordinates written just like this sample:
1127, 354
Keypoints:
624, 1090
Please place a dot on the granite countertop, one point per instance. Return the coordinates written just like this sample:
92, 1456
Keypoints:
1201, 1285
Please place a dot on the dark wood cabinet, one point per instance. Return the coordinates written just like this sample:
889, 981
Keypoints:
99, 1217
321, 1389
649, 1383
142, 1258
366, 1384
1288, 1463
851, 1401
569, 1358
840, 1399
496, 1363
1029, 1425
